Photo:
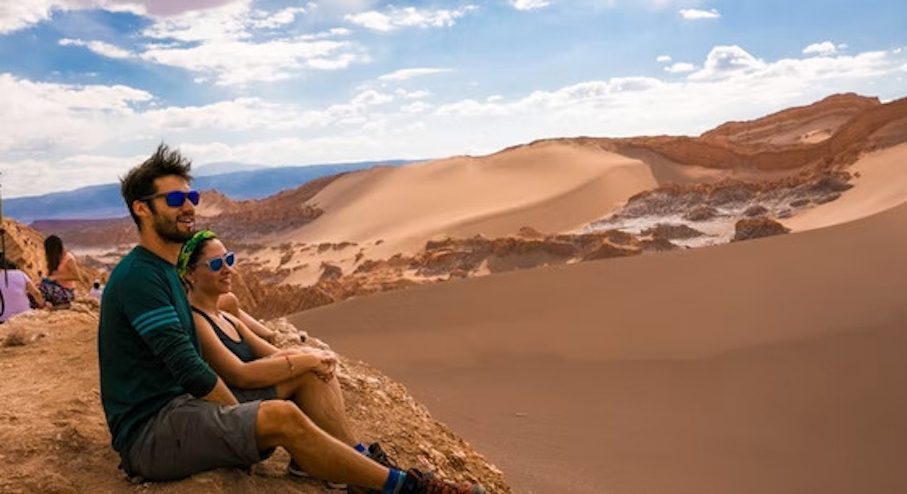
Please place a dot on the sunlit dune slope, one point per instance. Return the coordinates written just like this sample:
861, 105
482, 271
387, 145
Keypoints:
774, 365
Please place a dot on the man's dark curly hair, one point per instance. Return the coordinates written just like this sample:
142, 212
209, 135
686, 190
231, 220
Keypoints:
139, 182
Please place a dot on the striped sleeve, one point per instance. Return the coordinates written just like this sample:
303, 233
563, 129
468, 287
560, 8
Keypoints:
149, 306
155, 319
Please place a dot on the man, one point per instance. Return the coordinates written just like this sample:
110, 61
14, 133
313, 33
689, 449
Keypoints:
169, 414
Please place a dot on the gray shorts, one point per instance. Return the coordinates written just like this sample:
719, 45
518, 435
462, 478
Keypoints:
191, 435
243, 395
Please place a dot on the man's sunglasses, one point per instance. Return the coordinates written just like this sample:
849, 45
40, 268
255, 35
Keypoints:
176, 198
217, 263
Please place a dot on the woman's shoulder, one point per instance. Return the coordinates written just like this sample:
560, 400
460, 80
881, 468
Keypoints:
18, 273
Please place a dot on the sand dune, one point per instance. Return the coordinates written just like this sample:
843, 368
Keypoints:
551, 187
882, 184
774, 365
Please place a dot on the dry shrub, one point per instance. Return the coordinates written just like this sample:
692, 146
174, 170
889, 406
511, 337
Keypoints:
16, 337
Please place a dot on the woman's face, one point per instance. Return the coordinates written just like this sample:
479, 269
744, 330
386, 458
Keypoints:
203, 275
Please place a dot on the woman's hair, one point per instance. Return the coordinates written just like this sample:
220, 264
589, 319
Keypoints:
53, 249
191, 251
6, 263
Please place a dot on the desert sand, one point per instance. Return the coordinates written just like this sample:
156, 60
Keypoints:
881, 185
552, 186
766, 366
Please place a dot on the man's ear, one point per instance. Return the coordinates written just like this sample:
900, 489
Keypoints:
140, 208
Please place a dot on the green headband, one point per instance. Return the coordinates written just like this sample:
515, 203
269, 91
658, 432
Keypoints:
182, 264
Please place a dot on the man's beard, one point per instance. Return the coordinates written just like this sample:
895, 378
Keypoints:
169, 230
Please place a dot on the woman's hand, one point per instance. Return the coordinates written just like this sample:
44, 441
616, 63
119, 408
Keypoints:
322, 363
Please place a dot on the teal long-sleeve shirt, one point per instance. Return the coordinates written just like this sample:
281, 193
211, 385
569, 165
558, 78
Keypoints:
148, 351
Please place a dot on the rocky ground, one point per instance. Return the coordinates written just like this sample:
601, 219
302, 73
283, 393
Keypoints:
55, 439
708, 214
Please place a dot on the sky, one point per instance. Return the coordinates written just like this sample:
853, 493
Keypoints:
89, 88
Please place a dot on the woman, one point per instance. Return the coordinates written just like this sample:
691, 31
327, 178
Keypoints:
253, 368
15, 287
59, 287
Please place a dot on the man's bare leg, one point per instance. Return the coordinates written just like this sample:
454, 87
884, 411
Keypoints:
282, 423
322, 402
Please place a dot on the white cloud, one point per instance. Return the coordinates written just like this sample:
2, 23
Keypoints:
229, 22
49, 116
239, 115
406, 74
332, 33
59, 128
396, 18
371, 97
695, 14
99, 47
15, 15
342, 7
416, 107
529, 4
238, 63
663, 58
222, 44
18, 15
824, 48
420, 94
680, 68
734, 86
33, 177
726, 61
272, 20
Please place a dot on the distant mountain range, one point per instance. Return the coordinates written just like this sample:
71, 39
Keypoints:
104, 201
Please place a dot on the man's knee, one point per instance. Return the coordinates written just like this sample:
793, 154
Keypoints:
281, 420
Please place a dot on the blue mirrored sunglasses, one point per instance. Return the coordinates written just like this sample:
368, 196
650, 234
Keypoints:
217, 263
176, 198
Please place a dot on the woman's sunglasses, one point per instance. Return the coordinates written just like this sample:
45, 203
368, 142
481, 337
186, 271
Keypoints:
215, 264
176, 198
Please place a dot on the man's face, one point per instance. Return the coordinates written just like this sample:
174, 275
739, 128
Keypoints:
174, 225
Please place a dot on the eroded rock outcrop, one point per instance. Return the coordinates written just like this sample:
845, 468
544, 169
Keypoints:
749, 229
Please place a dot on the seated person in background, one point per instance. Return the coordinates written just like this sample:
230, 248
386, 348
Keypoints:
228, 302
59, 287
15, 289
96, 290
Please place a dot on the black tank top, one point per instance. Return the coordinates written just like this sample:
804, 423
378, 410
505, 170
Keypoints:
239, 348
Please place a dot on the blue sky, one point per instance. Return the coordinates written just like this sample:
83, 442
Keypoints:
89, 87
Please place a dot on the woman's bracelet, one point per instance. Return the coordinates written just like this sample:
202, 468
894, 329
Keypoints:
290, 365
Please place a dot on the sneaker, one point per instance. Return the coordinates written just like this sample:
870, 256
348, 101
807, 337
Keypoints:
295, 470
417, 482
376, 453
